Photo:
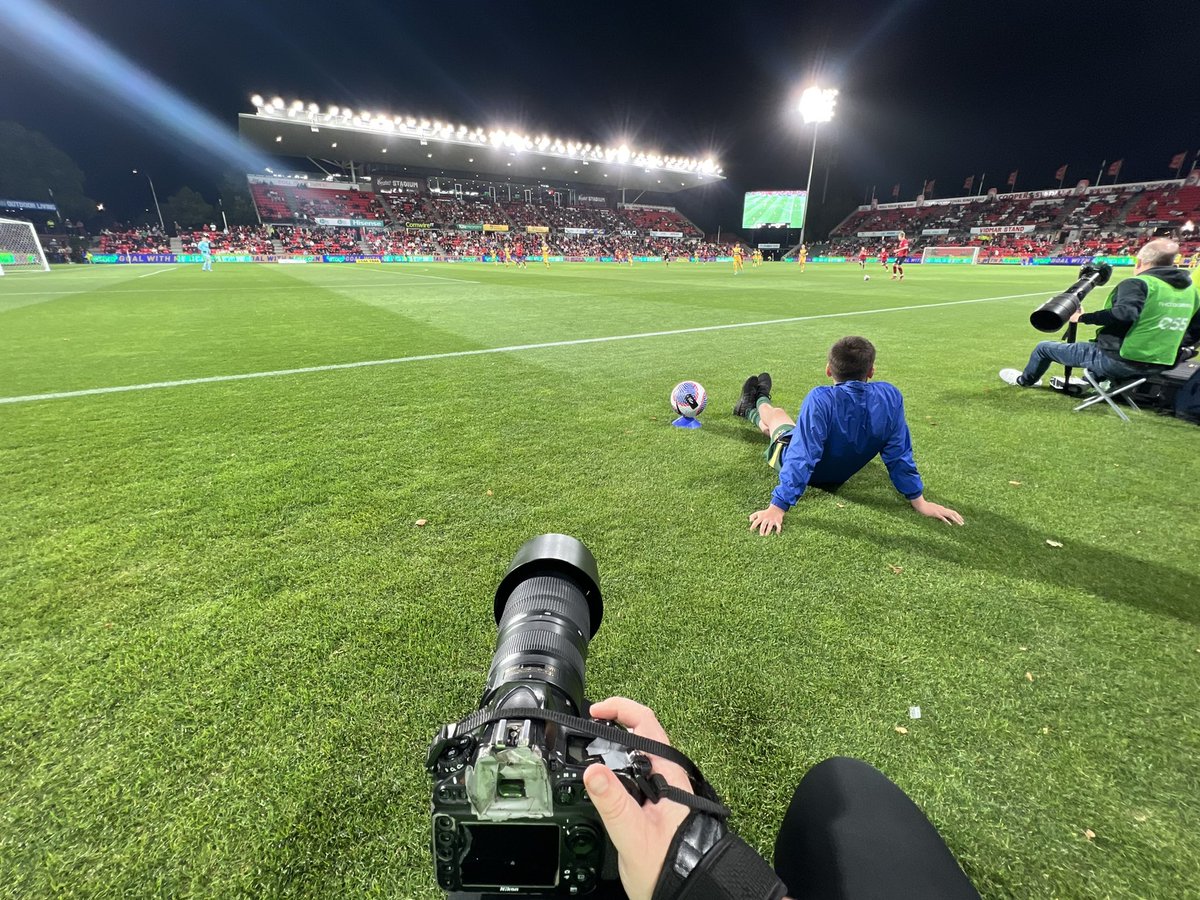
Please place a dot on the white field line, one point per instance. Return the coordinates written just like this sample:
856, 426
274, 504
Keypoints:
159, 272
333, 367
104, 292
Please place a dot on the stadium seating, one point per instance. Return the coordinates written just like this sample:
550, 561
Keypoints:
409, 242
659, 220
1104, 216
133, 240
239, 240
318, 240
301, 202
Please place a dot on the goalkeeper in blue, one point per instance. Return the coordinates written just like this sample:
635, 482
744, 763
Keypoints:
205, 249
840, 428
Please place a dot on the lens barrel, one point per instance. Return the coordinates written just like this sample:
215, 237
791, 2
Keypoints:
548, 607
1057, 311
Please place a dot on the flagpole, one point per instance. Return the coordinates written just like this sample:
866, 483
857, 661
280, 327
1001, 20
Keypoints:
1060, 180
981, 180
1101, 175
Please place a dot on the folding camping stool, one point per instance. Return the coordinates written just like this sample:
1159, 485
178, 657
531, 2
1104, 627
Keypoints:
1116, 391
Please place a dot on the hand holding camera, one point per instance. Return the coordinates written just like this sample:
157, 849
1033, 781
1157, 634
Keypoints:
641, 834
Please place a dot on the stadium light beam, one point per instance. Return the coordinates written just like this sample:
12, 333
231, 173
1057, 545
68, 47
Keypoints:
816, 106
61, 47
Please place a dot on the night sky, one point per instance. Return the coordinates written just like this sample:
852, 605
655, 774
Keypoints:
929, 88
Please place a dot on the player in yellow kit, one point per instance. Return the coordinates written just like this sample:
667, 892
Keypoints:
802, 256
545, 254
737, 258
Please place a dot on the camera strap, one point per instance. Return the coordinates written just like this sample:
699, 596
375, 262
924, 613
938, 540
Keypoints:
655, 787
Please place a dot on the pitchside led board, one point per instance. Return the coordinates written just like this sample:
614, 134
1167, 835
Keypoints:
764, 209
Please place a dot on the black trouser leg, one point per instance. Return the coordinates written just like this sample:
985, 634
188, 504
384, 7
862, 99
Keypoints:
850, 833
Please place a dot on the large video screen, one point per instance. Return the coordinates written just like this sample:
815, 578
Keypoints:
766, 208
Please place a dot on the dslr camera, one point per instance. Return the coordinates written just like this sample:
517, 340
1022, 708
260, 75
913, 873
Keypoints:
510, 815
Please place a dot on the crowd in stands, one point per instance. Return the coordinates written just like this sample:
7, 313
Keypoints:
133, 240
1099, 215
407, 208
409, 242
318, 240
1105, 221
659, 220
240, 239
302, 203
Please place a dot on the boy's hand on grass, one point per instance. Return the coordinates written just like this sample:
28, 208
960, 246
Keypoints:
935, 511
767, 519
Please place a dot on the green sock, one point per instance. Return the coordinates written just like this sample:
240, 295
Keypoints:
753, 416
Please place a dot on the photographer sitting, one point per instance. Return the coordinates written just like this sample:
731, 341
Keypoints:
849, 832
1145, 321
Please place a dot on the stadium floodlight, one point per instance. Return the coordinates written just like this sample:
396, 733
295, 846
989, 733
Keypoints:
816, 106
277, 103
257, 100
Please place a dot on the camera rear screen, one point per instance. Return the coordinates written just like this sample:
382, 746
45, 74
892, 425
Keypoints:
510, 856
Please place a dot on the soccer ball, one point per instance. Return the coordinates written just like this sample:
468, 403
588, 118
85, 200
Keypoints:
866, 278
688, 398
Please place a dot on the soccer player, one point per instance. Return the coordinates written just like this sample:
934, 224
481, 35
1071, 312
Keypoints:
898, 261
519, 252
802, 256
545, 254
737, 258
840, 428
205, 250
862, 256
883, 255
507, 256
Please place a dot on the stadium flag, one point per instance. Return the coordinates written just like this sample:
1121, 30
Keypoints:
1177, 162
1012, 179
928, 188
895, 190
969, 183
1115, 168
1061, 174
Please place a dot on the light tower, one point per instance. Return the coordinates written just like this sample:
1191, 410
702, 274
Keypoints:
816, 106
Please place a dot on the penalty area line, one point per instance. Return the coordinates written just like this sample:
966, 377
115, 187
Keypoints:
514, 348
159, 272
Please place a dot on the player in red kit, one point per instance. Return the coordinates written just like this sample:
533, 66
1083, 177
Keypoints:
862, 257
898, 261
883, 256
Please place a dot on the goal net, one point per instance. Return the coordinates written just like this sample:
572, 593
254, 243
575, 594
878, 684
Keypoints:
951, 255
20, 250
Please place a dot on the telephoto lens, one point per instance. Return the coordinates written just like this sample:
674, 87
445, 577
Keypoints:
1057, 311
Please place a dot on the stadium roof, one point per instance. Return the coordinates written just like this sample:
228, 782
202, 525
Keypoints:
300, 129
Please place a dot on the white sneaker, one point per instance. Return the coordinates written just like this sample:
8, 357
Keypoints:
1009, 376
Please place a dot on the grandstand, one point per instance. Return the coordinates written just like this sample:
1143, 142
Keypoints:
1073, 221
485, 189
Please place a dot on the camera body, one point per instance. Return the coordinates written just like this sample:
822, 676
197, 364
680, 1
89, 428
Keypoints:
1057, 311
509, 812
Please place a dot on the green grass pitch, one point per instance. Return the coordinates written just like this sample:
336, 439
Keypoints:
226, 643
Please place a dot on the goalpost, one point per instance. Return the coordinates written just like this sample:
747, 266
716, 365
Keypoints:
951, 255
20, 249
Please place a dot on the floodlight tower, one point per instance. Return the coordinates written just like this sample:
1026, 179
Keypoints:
154, 194
816, 106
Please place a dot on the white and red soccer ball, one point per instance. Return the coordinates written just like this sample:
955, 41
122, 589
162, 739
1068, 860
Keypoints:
688, 399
